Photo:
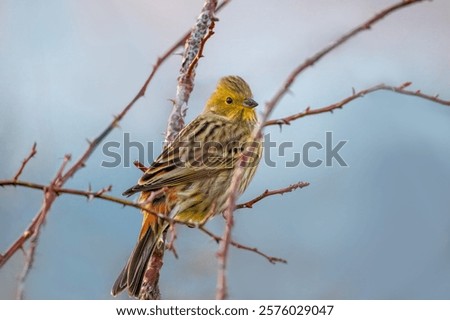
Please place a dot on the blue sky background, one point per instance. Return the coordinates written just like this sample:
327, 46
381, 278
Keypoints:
377, 229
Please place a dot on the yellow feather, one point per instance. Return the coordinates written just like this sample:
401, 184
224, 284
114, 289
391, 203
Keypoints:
233, 99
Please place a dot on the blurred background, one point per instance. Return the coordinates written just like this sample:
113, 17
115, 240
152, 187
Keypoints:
376, 229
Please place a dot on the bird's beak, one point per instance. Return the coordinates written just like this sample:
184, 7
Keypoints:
249, 102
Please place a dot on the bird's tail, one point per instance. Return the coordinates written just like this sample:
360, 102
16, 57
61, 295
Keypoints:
133, 273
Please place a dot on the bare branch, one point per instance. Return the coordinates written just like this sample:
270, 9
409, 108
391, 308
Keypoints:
218, 239
356, 95
25, 161
268, 193
100, 194
59, 174
201, 32
173, 236
271, 259
140, 166
225, 241
34, 231
50, 194
320, 54
194, 63
417, 93
222, 253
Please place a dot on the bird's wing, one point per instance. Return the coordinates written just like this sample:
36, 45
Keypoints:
194, 155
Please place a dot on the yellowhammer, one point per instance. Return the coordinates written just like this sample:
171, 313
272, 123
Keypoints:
190, 180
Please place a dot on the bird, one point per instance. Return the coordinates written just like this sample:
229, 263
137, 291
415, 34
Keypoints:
190, 180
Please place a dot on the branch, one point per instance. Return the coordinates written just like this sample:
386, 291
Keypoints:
268, 193
101, 194
140, 166
356, 95
222, 253
194, 63
25, 161
34, 233
221, 291
309, 62
218, 239
50, 194
226, 241
173, 236
201, 32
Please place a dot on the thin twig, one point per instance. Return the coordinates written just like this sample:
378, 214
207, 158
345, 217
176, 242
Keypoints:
101, 194
356, 95
268, 193
25, 161
140, 166
222, 253
88, 194
218, 239
309, 62
50, 193
173, 236
34, 232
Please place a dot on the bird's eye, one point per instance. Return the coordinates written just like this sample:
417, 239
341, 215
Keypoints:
229, 100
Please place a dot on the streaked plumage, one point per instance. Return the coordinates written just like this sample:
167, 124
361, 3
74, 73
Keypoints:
195, 171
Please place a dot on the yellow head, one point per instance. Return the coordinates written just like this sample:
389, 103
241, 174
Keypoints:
233, 99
